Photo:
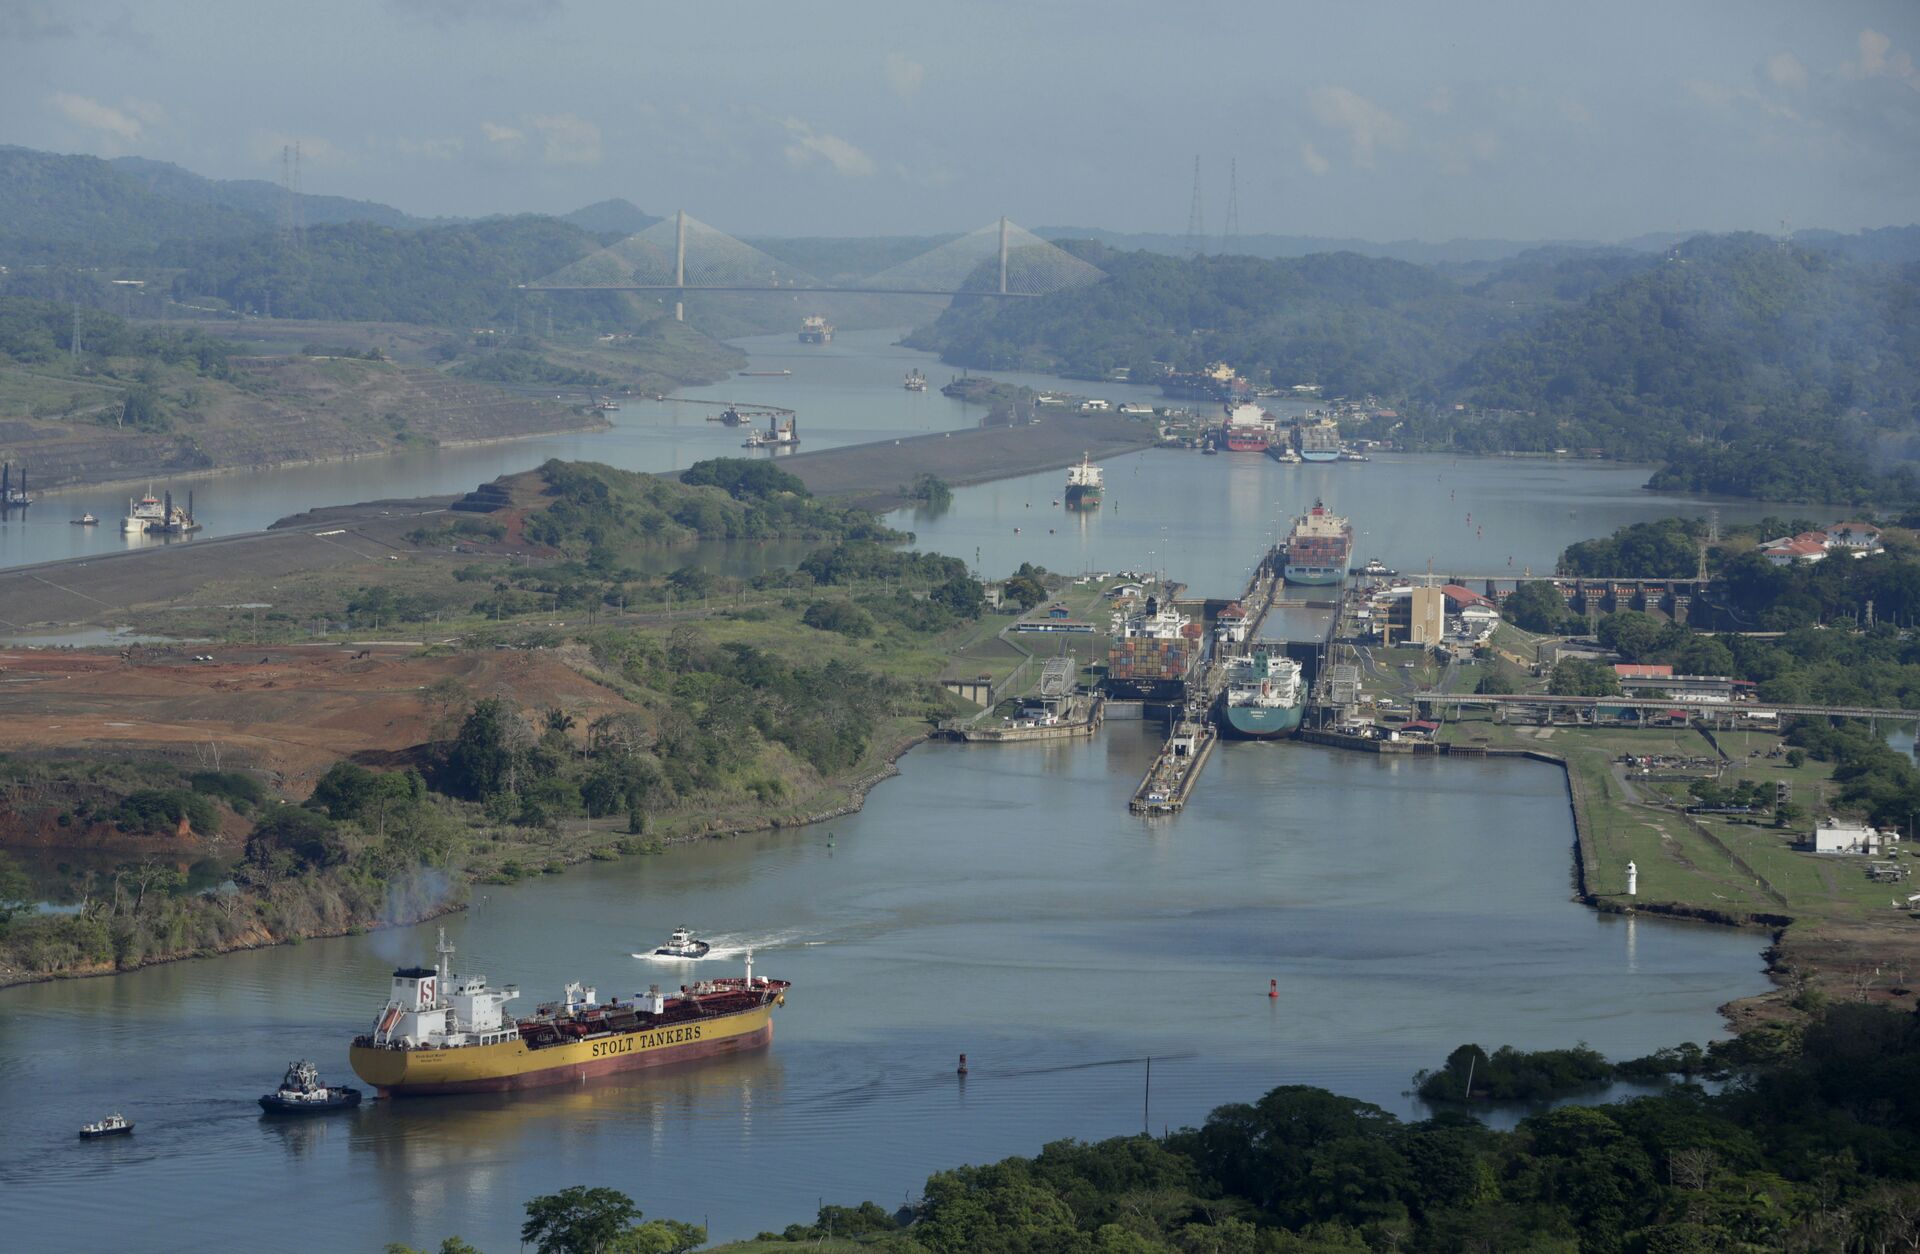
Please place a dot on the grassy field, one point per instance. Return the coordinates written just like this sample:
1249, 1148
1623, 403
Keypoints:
45, 393
1713, 863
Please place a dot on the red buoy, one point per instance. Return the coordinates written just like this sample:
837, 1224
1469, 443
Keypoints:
963, 1065
1273, 988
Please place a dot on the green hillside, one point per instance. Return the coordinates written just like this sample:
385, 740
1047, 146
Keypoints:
254, 196
81, 209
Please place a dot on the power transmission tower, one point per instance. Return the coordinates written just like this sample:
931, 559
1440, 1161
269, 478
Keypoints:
293, 212
75, 349
1196, 218
1230, 232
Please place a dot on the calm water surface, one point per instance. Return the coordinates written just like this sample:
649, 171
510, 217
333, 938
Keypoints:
995, 901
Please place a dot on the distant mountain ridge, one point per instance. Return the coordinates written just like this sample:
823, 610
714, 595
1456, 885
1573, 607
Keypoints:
257, 196
616, 216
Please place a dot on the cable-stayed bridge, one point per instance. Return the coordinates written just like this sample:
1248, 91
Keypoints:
682, 255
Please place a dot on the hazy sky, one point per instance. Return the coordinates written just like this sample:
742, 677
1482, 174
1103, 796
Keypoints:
1541, 119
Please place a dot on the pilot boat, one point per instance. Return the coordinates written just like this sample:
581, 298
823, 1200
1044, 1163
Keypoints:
115, 1124
682, 945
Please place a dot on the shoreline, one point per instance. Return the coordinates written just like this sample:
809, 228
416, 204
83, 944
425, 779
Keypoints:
590, 426
855, 790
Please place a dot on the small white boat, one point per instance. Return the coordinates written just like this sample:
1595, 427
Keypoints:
682, 945
115, 1124
86, 520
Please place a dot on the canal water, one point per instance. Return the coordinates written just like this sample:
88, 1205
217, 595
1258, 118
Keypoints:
1211, 513
997, 901
994, 901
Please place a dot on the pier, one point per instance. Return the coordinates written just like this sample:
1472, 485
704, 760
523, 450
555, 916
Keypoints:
1192, 735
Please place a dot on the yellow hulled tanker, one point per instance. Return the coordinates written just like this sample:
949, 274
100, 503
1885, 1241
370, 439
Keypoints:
446, 1033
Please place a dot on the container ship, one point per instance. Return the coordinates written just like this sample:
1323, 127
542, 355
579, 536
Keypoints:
1085, 483
1153, 653
1217, 382
816, 330
1264, 697
1248, 429
445, 1033
1318, 547
1318, 439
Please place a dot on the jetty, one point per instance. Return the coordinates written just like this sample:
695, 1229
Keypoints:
1191, 733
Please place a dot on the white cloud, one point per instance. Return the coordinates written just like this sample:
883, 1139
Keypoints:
904, 76
450, 12
97, 116
24, 20
567, 139
1713, 95
806, 146
1367, 126
1311, 158
506, 138
1879, 59
439, 149
1784, 70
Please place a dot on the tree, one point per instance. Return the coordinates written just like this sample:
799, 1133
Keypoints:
579, 1220
1025, 591
1493, 681
1537, 606
962, 595
1635, 634
482, 759
307, 837
16, 890
1575, 677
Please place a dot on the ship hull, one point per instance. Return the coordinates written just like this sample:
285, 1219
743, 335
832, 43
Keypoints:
1246, 444
512, 1065
1250, 722
1319, 457
1312, 577
1083, 498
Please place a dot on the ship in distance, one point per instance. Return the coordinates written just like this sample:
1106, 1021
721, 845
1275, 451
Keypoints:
816, 330
1264, 696
1318, 547
1085, 483
441, 1032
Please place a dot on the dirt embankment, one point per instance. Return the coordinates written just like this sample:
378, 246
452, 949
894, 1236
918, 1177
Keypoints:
290, 712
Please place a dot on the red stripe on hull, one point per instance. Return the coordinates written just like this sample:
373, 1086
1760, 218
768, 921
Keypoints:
568, 1073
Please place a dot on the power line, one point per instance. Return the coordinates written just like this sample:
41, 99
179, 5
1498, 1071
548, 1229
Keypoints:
1230, 233
1196, 217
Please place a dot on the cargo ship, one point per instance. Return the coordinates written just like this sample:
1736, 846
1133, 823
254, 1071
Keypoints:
1264, 697
1317, 439
1153, 653
915, 381
1085, 483
816, 330
1318, 547
445, 1033
1248, 429
1217, 382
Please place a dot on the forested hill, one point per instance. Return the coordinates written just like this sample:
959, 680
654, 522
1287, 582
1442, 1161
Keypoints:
445, 276
254, 196
1747, 368
81, 209
1702, 345
1351, 323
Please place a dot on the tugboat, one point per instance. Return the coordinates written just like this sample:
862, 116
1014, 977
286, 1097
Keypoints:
682, 945
86, 520
115, 1124
302, 1093
916, 382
